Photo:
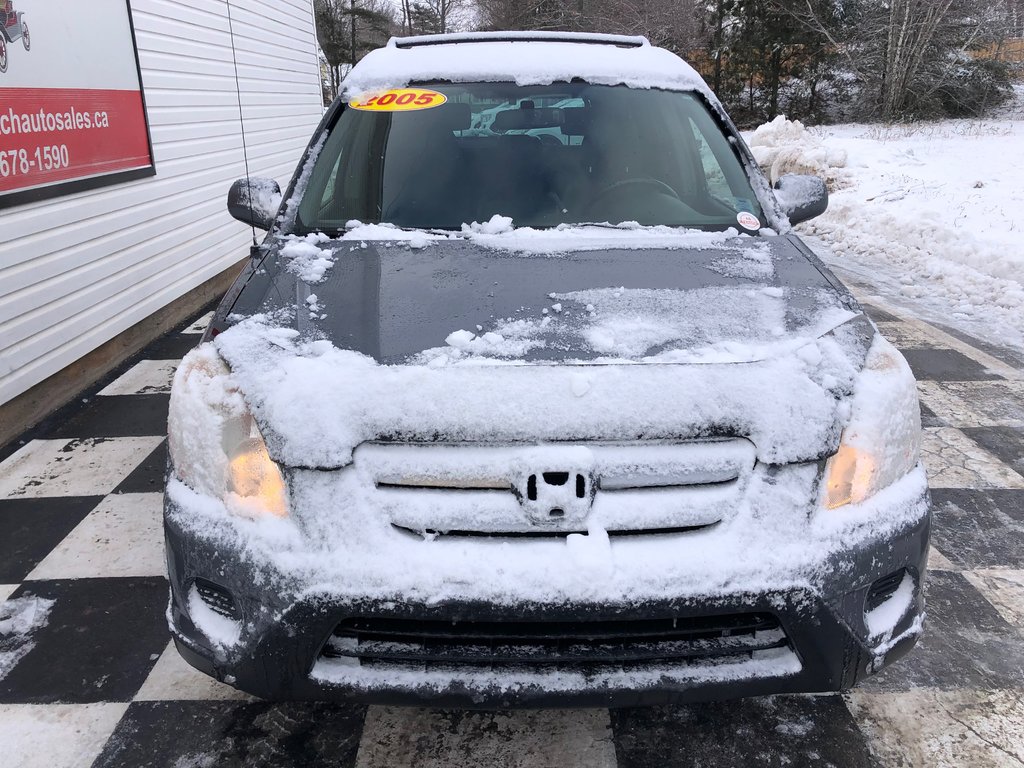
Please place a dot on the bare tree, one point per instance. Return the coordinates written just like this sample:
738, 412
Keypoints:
885, 58
911, 29
434, 16
672, 24
532, 14
920, 57
347, 30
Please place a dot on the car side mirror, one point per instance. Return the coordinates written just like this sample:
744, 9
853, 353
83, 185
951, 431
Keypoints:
801, 197
255, 201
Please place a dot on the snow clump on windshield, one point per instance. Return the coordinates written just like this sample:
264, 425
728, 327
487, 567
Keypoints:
413, 238
497, 225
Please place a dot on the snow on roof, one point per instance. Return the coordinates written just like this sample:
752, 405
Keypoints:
525, 58
634, 41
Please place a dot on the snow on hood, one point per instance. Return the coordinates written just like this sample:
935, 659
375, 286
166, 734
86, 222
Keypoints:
316, 403
645, 325
525, 62
577, 294
460, 342
499, 234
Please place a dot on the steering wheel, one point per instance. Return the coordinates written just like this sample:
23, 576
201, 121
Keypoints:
647, 181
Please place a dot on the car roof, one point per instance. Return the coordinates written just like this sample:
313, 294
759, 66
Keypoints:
526, 58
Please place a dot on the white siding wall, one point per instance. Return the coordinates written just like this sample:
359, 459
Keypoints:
75, 271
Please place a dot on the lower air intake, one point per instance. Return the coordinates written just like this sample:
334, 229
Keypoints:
624, 642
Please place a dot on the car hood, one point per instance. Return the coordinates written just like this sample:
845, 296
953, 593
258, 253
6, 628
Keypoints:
460, 343
719, 300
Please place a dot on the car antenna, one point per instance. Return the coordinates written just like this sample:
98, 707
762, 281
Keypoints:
241, 125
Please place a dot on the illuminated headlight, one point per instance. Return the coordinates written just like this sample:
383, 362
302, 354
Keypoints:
882, 441
215, 446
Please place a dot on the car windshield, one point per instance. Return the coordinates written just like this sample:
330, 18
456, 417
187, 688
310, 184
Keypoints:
543, 155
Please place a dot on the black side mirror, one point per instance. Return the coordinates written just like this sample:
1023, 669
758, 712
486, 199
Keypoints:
255, 201
801, 197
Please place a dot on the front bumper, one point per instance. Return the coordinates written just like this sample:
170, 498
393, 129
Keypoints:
286, 620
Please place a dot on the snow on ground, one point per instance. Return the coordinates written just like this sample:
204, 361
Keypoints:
19, 619
930, 214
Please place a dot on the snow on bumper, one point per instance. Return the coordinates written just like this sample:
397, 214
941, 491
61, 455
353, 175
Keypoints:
295, 582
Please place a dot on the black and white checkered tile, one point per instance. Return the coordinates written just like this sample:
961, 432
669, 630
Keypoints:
88, 676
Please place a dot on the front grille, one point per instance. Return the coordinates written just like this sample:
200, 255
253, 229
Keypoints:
618, 642
560, 534
633, 487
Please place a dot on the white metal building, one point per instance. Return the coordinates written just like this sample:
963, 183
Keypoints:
80, 270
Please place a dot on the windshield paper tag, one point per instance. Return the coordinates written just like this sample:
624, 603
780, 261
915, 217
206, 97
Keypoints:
400, 100
748, 220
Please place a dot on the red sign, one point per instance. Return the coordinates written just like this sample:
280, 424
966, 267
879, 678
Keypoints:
70, 118
49, 135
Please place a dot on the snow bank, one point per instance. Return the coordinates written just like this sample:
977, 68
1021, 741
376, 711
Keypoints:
929, 214
785, 146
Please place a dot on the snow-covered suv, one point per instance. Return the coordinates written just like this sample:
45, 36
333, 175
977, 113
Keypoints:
548, 406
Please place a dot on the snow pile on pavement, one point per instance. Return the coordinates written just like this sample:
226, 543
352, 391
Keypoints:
931, 213
19, 619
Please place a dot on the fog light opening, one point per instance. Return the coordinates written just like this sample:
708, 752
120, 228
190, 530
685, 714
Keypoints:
887, 603
218, 598
882, 589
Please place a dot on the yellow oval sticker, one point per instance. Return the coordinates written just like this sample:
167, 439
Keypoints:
400, 100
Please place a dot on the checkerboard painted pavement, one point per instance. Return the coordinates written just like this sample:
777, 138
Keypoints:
88, 675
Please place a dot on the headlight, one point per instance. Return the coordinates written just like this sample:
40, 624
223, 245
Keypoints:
215, 446
882, 441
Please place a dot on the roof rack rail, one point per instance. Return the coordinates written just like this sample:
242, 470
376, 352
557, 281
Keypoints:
622, 41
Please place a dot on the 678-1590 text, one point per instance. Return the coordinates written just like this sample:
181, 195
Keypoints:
15, 162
